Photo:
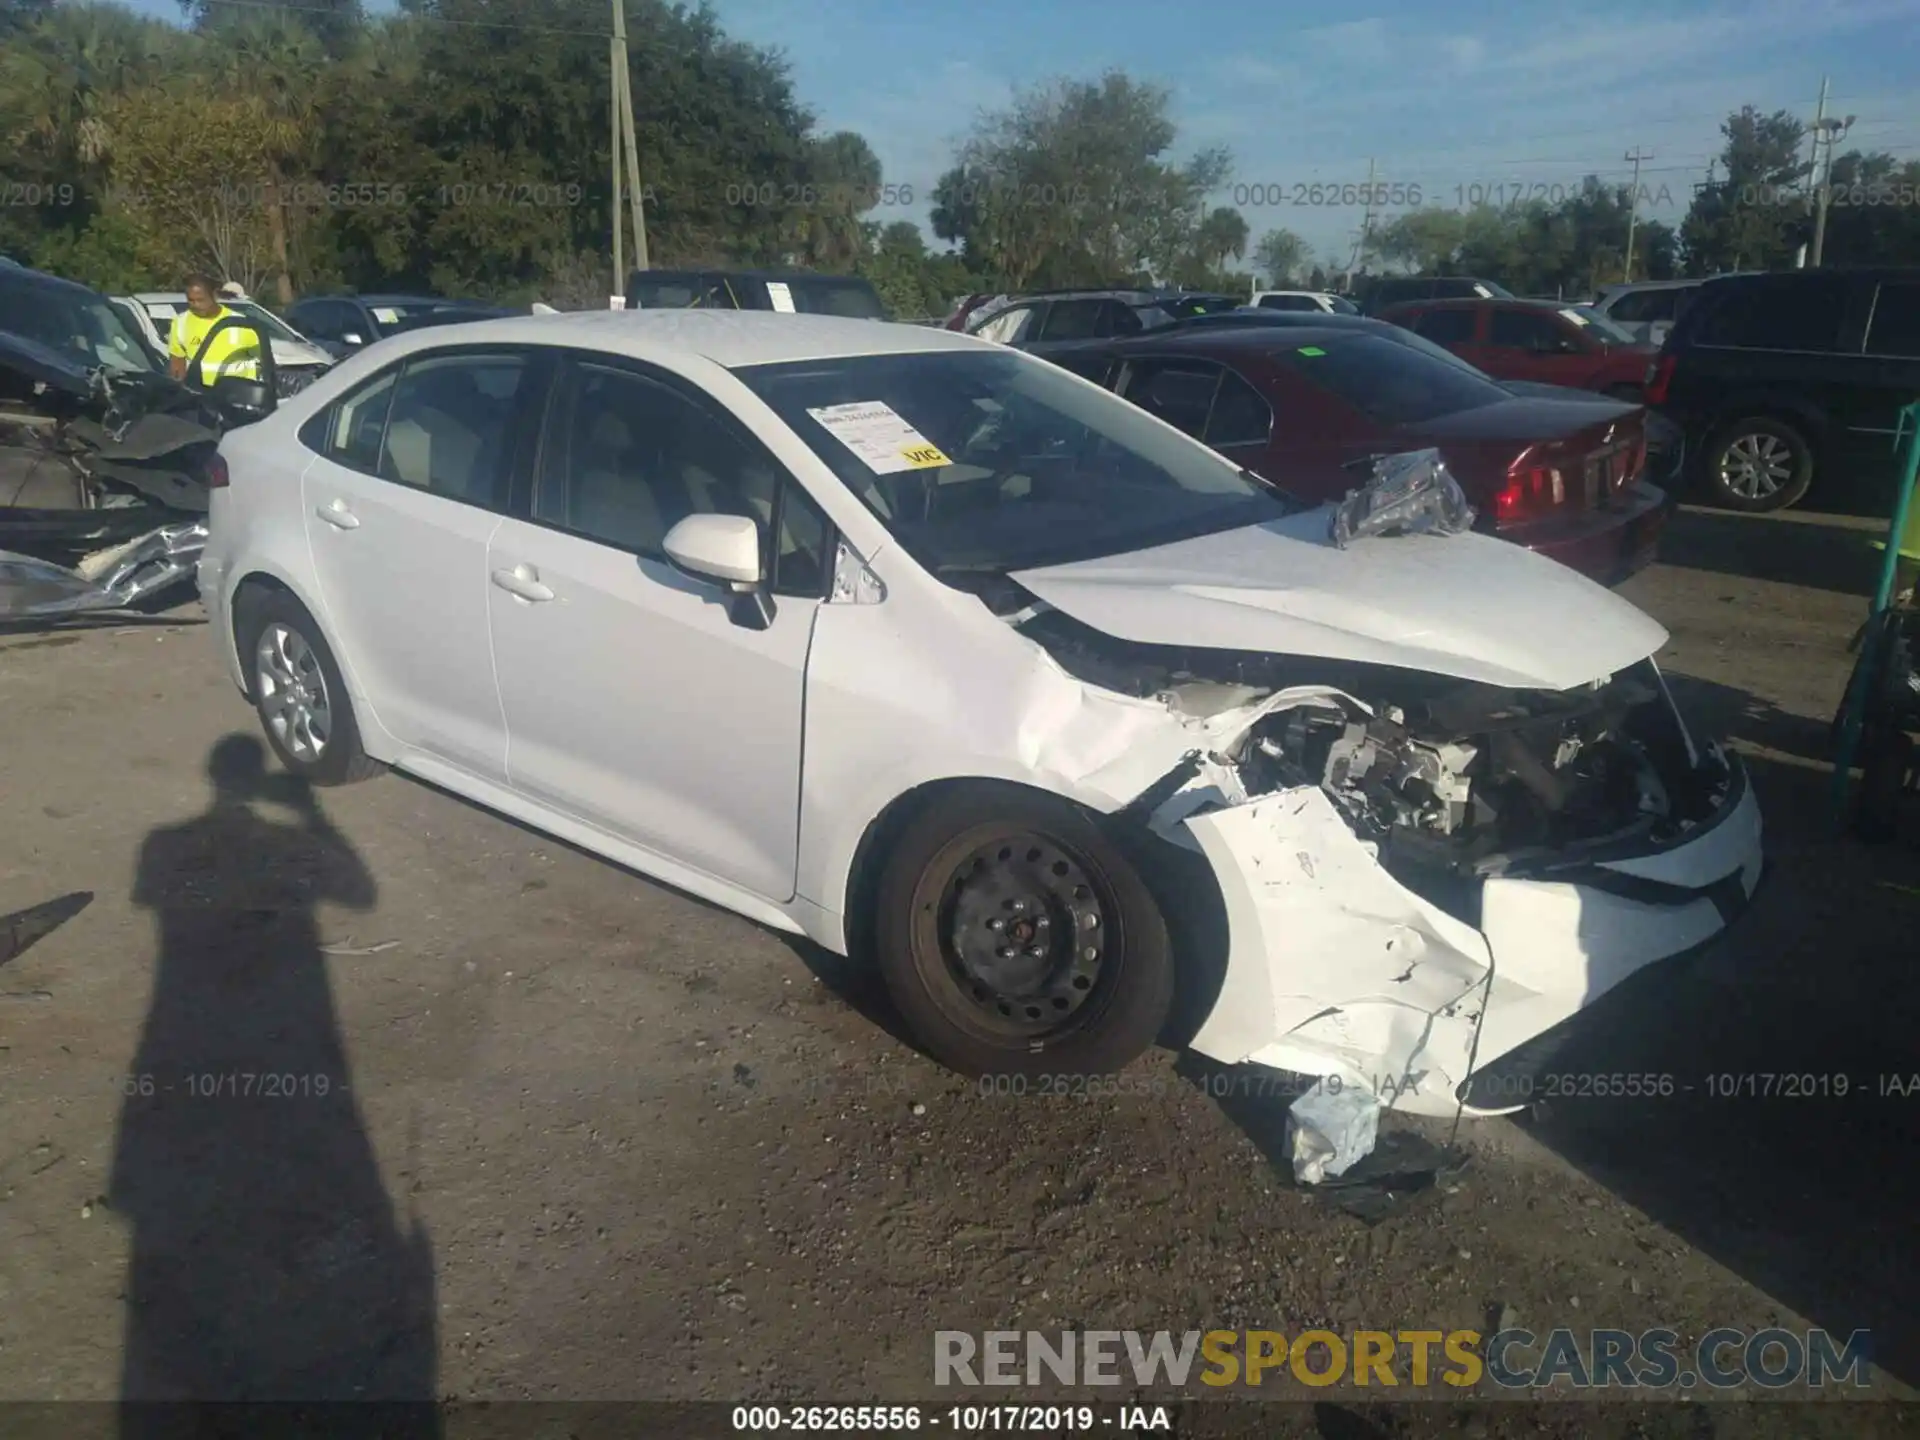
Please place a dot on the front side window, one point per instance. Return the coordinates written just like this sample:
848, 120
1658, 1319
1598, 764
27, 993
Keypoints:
990, 462
630, 457
449, 425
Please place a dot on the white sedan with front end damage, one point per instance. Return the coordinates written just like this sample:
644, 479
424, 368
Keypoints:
922, 647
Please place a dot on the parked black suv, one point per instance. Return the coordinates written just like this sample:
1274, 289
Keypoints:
342, 324
806, 291
1781, 380
1374, 296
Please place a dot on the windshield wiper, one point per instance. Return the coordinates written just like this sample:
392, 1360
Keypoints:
1272, 487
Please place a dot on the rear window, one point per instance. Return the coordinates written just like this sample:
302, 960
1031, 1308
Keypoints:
1797, 312
1392, 383
849, 299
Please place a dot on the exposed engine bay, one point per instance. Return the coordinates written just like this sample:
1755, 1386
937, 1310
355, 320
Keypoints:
91, 465
1448, 778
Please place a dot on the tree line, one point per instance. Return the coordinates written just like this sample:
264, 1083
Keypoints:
461, 146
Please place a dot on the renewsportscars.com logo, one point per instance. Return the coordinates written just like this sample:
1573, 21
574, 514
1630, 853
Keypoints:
1773, 1359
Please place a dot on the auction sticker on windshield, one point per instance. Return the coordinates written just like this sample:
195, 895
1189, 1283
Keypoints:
779, 296
875, 432
386, 316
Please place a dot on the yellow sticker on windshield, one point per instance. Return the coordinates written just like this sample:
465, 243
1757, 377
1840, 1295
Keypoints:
878, 434
1311, 350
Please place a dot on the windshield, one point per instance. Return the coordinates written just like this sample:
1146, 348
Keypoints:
1391, 381
421, 318
275, 327
1597, 324
76, 323
994, 462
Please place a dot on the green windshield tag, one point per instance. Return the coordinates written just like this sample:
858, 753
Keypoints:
1311, 350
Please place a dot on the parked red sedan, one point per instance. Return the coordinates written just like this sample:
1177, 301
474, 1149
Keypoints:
1540, 340
1306, 406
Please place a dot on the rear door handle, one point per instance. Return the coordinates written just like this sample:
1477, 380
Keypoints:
523, 581
338, 515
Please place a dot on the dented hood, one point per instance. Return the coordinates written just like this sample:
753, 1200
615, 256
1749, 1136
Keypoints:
1469, 606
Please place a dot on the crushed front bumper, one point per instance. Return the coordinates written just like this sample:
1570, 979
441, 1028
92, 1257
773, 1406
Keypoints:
1336, 968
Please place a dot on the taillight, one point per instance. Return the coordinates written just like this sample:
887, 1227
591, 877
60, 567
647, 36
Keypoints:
1659, 377
217, 472
1530, 489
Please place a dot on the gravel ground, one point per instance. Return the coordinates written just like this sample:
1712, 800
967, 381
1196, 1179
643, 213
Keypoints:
583, 1137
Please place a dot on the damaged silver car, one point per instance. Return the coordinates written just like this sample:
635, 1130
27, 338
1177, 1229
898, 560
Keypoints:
105, 460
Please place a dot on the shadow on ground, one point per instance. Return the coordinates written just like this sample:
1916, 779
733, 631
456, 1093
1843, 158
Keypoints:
1791, 551
268, 1261
1786, 1152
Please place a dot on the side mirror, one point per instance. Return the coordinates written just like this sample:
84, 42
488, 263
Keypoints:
352, 338
244, 399
725, 549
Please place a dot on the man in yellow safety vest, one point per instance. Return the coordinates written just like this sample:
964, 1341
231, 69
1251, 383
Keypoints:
235, 350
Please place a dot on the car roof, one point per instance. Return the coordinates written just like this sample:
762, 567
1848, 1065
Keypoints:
19, 274
1251, 338
729, 338
748, 274
1462, 302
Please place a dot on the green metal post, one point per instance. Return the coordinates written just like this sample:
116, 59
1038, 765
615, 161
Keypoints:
1853, 714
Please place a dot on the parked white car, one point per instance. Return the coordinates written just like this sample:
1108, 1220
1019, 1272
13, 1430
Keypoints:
883, 634
1324, 301
297, 359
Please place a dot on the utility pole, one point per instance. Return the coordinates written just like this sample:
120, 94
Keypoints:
1366, 230
1633, 207
1830, 130
624, 140
1813, 160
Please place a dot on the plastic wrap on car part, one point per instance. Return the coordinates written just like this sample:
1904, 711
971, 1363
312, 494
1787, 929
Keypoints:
113, 579
1409, 494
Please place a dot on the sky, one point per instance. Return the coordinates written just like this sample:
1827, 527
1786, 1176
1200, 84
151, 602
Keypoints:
1503, 102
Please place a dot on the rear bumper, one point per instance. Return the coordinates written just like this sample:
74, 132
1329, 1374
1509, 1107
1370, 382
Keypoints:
1604, 545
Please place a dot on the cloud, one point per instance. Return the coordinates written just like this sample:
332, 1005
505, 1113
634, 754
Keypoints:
1354, 42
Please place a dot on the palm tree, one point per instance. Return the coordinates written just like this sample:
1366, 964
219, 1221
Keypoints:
59, 76
1222, 234
273, 60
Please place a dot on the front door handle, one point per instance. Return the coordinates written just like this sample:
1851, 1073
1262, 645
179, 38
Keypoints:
523, 581
338, 515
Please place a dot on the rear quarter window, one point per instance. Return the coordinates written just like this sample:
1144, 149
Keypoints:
1800, 312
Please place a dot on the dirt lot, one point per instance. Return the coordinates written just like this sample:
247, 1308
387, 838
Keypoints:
583, 1137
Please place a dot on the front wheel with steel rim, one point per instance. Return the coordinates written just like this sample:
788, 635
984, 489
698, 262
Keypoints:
1758, 464
1018, 939
296, 687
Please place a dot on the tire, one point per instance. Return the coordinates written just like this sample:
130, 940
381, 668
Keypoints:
994, 863
273, 622
1885, 758
1751, 444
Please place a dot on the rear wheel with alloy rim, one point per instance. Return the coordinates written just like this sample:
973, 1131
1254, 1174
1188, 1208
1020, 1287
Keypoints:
298, 692
1017, 938
1758, 464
